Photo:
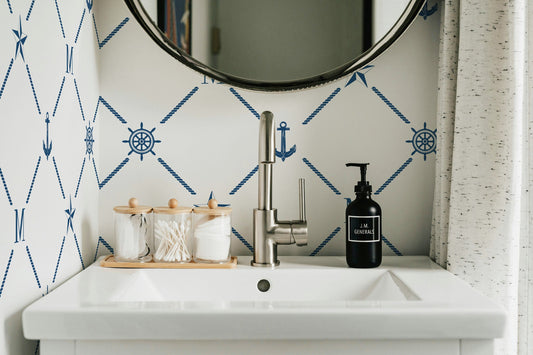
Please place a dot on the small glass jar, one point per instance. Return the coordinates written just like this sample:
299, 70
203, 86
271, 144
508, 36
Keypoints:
212, 233
132, 232
172, 233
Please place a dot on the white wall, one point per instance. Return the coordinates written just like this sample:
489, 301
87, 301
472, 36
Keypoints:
202, 23
209, 141
48, 251
151, 8
385, 13
210, 138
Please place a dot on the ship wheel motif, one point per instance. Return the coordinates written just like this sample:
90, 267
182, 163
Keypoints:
89, 139
424, 141
141, 141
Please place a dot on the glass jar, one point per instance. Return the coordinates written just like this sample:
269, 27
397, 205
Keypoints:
172, 233
132, 232
212, 233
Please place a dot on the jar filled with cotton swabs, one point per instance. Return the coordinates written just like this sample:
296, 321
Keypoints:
172, 233
212, 233
132, 232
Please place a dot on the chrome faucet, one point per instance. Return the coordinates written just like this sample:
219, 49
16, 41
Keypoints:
268, 231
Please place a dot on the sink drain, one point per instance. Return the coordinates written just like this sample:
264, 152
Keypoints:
263, 285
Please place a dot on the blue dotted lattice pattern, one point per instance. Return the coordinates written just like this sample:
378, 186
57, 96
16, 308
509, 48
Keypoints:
194, 95
47, 167
45, 100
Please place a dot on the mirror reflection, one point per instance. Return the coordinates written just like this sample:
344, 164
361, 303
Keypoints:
275, 40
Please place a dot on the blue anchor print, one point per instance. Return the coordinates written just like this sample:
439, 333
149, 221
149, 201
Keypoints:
425, 12
284, 154
47, 147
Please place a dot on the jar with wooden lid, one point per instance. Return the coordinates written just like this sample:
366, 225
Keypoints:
212, 233
172, 233
132, 232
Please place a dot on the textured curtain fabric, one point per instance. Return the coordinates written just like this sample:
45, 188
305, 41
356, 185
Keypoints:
481, 209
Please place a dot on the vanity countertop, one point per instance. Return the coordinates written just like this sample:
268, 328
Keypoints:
407, 297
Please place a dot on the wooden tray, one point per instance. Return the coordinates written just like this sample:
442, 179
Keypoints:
109, 261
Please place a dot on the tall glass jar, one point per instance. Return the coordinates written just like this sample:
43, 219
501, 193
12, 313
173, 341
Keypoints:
212, 233
172, 233
132, 232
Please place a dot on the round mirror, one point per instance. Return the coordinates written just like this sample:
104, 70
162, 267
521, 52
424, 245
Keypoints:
275, 44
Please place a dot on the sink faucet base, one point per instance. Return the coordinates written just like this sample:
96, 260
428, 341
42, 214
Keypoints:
276, 264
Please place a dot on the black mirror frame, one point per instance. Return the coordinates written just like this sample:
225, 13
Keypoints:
405, 20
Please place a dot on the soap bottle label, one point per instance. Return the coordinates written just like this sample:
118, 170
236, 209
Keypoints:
364, 229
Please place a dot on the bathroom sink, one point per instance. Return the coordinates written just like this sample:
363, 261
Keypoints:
245, 287
305, 298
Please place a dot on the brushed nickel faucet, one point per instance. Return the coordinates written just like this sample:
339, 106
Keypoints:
267, 230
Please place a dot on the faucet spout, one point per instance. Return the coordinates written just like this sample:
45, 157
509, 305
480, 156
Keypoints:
267, 139
267, 158
268, 231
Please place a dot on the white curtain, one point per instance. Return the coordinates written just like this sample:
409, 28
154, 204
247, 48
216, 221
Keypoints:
481, 211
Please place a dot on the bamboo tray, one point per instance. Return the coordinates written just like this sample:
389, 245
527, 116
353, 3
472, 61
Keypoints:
109, 261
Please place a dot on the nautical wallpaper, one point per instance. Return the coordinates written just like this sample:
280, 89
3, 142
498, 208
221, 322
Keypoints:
167, 131
93, 112
48, 196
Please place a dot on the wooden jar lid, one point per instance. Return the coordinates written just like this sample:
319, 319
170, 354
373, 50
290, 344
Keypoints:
172, 208
132, 208
213, 209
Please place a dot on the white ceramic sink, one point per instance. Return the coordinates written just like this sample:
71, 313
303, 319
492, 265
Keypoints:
287, 287
309, 298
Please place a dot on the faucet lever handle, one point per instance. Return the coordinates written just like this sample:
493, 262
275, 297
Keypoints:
301, 189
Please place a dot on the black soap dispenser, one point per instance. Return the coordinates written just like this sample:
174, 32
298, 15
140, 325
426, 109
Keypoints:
363, 226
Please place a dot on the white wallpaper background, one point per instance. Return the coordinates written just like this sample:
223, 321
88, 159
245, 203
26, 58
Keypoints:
208, 135
48, 70
99, 78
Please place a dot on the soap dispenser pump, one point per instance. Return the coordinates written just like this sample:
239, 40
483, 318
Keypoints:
363, 225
